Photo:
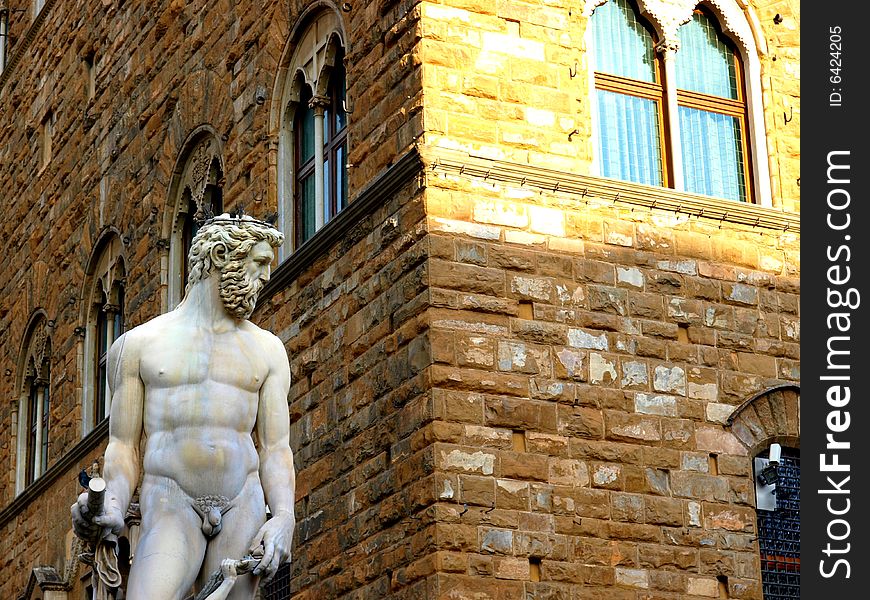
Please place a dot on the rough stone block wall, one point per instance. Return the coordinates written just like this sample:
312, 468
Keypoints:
587, 358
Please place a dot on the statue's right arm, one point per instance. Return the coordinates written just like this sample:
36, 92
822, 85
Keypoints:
121, 465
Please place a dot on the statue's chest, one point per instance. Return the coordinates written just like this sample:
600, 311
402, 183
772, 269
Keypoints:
204, 359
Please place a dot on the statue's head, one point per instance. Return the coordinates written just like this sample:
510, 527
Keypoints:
240, 250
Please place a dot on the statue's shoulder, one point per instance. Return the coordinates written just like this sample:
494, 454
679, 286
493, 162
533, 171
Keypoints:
266, 339
134, 340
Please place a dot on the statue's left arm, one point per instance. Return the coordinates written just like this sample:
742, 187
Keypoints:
277, 473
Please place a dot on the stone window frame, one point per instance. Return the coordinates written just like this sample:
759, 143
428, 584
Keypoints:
195, 193
34, 374
103, 292
742, 27
308, 60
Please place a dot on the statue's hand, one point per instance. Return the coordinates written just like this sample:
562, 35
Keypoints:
92, 528
276, 538
228, 569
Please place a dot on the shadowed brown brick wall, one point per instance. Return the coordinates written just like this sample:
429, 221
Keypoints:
501, 389
163, 69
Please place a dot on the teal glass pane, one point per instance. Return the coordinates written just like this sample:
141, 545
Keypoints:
327, 193
704, 62
712, 154
629, 141
623, 46
308, 224
341, 175
306, 132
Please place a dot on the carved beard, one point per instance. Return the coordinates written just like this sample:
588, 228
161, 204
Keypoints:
239, 292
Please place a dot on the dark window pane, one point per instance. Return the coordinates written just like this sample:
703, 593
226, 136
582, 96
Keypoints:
327, 192
306, 133
341, 176
340, 92
307, 200
46, 415
102, 331
32, 425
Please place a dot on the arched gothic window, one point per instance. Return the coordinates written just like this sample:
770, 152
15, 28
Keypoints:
312, 157
672, 107
34, 404
104, 302
196, 194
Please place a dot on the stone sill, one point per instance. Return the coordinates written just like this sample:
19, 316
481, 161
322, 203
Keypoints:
54, 472
601, 190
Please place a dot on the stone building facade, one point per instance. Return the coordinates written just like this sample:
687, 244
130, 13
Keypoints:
512, 377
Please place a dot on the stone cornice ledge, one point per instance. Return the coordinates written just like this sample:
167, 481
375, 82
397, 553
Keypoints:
62, 466
600, 189
22, 46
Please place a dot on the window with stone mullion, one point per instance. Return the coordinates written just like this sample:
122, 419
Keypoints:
110, 326
701, 144
331, 191
32, 428
38, 417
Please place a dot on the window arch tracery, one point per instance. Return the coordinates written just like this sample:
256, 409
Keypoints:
196, 193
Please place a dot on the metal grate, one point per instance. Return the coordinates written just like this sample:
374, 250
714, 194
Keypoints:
279, 587
779, 533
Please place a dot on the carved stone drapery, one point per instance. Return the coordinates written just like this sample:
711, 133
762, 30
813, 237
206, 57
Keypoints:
667, 16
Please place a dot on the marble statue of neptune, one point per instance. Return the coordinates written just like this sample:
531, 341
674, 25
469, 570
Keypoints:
203, 392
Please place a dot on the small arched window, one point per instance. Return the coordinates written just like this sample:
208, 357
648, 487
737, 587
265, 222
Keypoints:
108, 308
104, 301
671, 113
320, 118
34, 405
313, 144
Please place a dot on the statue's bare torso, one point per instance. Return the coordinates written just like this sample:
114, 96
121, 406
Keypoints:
202, 393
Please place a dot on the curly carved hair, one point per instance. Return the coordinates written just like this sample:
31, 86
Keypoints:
231, 240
